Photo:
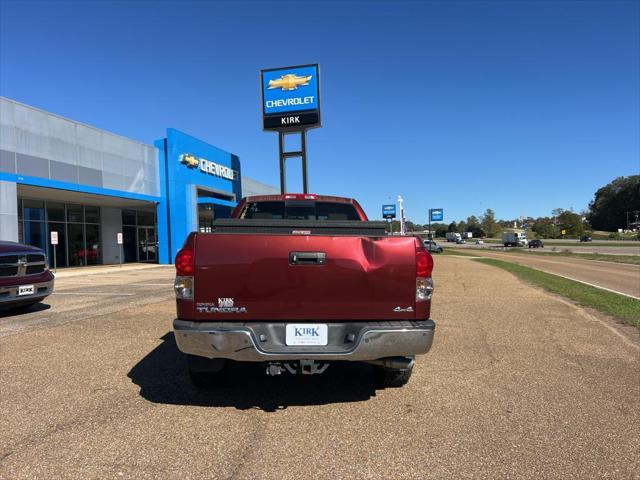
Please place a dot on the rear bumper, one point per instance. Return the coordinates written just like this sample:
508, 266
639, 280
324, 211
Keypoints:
9, 294
264, 341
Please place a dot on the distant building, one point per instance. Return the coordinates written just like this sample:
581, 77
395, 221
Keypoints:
89, 185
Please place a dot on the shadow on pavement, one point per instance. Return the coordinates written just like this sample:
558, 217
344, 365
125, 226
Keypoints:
162, 378
23, 310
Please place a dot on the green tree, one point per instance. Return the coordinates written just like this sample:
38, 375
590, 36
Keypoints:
472, 221
488, 222
453, 227
571, 223
608, 209
545, 228
440, 231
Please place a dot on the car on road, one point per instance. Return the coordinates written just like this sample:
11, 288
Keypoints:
461, 241
298, 281
432, 246
479, 242
536, 243
585, 238
25, 278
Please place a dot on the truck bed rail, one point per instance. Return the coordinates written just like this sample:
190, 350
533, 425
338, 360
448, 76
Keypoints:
300, 227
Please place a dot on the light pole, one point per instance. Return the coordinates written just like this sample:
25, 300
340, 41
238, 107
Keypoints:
402, 226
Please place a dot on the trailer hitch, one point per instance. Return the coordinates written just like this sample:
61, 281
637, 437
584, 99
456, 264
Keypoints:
298, 367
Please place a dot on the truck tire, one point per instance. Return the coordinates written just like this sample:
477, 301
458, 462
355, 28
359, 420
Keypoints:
206, 372
392, 377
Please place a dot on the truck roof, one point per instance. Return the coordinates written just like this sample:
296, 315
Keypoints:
298, 196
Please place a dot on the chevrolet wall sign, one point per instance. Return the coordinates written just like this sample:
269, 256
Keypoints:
207, 166
290, 98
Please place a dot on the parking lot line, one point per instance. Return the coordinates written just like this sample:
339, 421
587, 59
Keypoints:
94, 293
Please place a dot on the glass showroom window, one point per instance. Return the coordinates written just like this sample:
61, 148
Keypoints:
139, 232
78, 229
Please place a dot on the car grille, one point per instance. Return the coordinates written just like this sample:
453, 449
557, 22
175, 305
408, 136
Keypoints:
12, 265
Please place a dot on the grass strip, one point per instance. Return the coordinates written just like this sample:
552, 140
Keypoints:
602, 257
623, 308
576, 243
456, 251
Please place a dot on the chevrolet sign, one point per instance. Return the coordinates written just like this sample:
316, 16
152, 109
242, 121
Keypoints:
207, 166
290, 97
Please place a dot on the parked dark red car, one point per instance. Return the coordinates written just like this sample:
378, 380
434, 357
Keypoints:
25, 278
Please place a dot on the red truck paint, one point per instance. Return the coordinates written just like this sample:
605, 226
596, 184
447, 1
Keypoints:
364, 278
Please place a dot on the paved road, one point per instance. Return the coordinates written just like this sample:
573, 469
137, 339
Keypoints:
573, 247
519, 384
620, 277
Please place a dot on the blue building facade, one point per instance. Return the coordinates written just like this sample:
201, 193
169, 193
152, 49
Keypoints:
88, 186
200, 182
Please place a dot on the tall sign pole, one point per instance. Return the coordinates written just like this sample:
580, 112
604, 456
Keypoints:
402, 225
435, 215
291, 106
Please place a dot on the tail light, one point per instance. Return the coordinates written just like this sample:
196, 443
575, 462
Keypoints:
185, 262
185, 267
424, 268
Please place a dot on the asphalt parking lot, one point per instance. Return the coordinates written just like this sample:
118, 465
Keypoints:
519, 384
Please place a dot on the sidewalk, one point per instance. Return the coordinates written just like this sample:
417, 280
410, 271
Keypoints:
106, 269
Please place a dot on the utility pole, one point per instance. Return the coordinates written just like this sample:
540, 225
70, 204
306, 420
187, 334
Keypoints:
627, 215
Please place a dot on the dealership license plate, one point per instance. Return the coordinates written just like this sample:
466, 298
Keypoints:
25, 290
306, 334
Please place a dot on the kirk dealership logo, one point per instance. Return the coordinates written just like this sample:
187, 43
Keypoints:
289, 81
208, 166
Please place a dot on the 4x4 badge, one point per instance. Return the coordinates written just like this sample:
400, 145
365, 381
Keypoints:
400, 309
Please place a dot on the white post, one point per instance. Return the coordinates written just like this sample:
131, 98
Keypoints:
403, 230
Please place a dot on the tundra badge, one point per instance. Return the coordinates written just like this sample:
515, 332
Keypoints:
225, 305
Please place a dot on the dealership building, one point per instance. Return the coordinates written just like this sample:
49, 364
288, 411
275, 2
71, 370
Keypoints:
89, 185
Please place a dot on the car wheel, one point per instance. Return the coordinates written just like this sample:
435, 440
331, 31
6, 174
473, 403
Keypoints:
392, 377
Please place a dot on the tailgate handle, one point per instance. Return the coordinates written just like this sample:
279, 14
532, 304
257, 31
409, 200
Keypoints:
307, 258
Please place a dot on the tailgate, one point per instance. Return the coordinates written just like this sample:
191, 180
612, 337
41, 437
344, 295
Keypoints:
304, 277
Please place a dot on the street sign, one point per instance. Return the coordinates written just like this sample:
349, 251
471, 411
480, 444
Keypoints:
436, 214
119, 239
290, 97
54, 238
388, 211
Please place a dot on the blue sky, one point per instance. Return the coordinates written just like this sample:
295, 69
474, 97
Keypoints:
517, 106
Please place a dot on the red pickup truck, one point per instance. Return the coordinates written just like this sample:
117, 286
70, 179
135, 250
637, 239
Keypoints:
25, 278
298, 281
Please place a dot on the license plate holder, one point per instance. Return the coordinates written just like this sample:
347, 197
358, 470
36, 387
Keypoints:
25, 290
307, 334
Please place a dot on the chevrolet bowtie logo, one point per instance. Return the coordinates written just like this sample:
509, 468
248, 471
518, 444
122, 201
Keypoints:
290, 81
189, 160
